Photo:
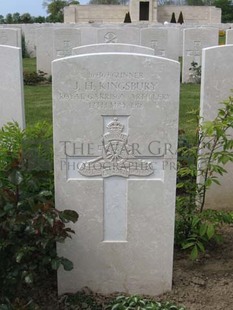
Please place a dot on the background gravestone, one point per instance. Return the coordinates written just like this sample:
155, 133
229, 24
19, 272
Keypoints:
64, 40
112, 47
44, 49
194, 40
29, 31
216, 85
10, 37
229, 36
88, 35
164, 41
119, 116
11, 86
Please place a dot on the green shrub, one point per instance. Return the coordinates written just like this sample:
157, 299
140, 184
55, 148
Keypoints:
34, 78
83, 300
139, 303
30, 225
196, 228
195, 72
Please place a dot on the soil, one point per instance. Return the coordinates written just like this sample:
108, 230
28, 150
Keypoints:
205, 284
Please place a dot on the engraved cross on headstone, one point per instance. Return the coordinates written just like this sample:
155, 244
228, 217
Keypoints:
114, 166
66, 51
196, 52
155, 46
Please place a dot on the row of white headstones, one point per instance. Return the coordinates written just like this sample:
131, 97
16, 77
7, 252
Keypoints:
170, 42
115, 120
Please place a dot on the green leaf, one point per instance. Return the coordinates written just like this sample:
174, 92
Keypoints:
224, 159
45, 194
216, 181
67, 264
201, 246
69, 215
194, 253
50, 219
202, 229
210, 231
188, 245
180, 185
29, 278
15, 177
8, 207
195, 221
19, 256
208, 182
56, 263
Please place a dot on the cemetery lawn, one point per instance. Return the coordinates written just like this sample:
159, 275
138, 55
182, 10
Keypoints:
38, 98
38, 103
29, 64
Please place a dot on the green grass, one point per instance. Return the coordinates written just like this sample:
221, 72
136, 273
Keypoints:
29, 64
38, 99
189, 101
38, 102
222, 40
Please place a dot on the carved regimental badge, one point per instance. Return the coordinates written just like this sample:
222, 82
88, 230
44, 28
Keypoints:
110, 37
117, 157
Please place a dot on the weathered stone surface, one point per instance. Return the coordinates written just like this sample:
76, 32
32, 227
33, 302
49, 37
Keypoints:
64, 40
118, 35
10, 37
44, 49
29, 31
11, 86
229, 36
194, 40
119, 116
112, 47
216, 86
88, 35
164, 41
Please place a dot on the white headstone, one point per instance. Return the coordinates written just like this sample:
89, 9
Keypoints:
115, 134
44, 49
88, 35
194, 40
29, 31
216, 85
112, 47
64, 41
10, 37
229, 36
164, 41
11, 86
